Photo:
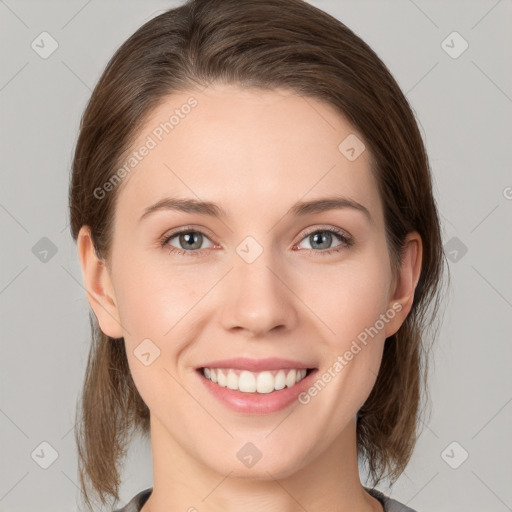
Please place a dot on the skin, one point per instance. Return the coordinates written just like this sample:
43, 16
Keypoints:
255, 153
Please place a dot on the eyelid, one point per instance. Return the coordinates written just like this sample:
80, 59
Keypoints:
186, 229
316, 227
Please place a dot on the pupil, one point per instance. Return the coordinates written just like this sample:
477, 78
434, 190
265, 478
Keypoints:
323, 235
191, 240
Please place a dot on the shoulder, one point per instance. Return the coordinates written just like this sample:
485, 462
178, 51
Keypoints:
389, 504
137, 502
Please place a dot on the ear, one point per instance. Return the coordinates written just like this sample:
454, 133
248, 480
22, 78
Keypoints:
402, 290
98, 285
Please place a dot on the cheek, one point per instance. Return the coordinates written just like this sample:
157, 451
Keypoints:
348, 298
353, 350
356, 309
152, 295
155, 303
151, 311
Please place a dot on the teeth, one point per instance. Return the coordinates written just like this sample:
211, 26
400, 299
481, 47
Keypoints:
250, 382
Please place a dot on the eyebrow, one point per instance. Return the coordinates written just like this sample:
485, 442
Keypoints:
300, 208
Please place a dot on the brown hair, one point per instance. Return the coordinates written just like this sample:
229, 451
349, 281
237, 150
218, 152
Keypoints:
263, 44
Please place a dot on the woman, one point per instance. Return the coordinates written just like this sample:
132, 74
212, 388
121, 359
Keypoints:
255, 223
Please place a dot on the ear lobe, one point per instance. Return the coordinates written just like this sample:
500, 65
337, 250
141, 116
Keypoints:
402, 297
98, 285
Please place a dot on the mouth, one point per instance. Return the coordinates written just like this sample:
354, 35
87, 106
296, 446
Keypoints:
255, 383
256, 393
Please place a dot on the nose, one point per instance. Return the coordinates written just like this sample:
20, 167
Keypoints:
258, 297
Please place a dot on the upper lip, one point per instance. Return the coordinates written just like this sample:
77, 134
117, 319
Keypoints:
256, 365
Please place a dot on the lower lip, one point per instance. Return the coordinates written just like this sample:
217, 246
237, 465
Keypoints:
258, 403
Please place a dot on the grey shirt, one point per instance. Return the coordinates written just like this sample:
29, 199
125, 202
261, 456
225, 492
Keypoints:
389, 504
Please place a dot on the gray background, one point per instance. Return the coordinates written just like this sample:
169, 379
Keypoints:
464, 106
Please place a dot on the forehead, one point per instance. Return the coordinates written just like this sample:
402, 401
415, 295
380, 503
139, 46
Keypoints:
243, 148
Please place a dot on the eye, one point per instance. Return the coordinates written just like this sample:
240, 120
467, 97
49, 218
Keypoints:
189, 242
321, 240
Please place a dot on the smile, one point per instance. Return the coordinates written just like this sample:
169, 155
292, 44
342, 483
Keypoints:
256, 393
254, 382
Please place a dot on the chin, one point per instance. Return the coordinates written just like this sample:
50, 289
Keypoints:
266, 468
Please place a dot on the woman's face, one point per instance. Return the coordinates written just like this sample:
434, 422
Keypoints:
277, 274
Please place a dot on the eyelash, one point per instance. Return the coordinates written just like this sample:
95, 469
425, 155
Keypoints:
346, 242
